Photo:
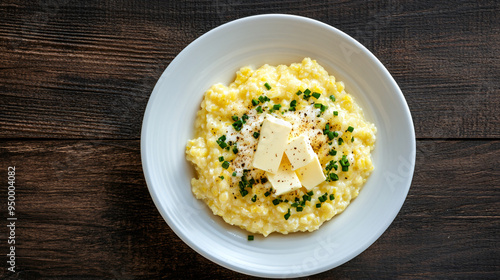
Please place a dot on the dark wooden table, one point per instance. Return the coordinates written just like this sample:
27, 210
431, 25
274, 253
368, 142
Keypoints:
75, 78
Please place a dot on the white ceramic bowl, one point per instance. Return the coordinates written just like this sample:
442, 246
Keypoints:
275, 39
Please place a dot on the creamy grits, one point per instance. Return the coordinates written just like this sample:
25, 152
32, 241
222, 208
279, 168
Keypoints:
321, 114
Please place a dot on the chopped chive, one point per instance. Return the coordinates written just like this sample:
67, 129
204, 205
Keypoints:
221, 159
303, 203
321, 199
276, 201
287, 215
345, 168
318, 205
221, 141
234, 173
243, 192
307, 94
332, 197
277, 107
256, 135
335, 133
267, 194
235, 118
225, 165
350, 129
310, 193
329, 166
317, 105
238, 125
299, 92
254, 198
259, 109
292, 109
316, 95
344, 161
250, 237
295, 204
293, 103
263, 99
235, 150
221, 177
244, 118
299, 209
333, 177
255, 102
267, 86
332, 152
352, 139
330, 135
327, 126
341, 141
332, 98
335, 113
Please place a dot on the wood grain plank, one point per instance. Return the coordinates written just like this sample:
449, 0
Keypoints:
85, 69
85, 213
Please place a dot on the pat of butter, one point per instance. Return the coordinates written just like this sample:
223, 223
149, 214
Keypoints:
299, 152
312, 174
272, 143
285, 180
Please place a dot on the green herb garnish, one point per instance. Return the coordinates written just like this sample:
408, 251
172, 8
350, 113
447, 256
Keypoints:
287, 215
238, 125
